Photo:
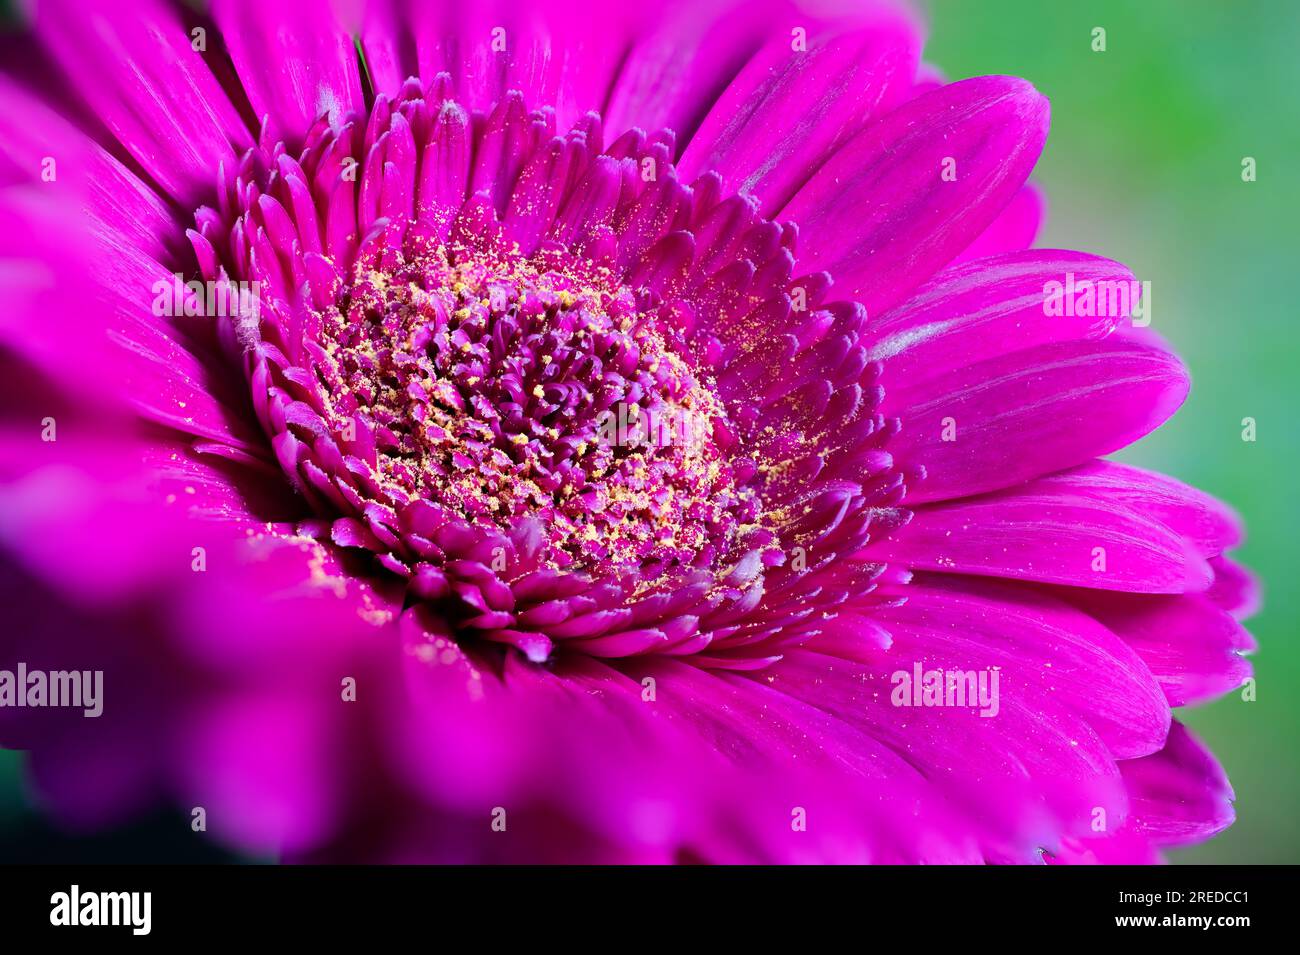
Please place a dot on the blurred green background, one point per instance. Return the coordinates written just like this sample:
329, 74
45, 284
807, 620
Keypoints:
1143, 165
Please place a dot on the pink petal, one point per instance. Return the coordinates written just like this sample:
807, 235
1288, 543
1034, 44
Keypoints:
1179, 794
142, 76
1194, 648
1026, 414
829, 91
983, 309
881, 216
1052, 531
315, 63
1014, 229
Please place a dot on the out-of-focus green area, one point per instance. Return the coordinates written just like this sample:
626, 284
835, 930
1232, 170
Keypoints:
1144, 166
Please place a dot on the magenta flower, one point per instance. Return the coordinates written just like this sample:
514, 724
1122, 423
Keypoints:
557, 432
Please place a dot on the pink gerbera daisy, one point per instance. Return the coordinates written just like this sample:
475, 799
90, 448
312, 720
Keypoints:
551, 431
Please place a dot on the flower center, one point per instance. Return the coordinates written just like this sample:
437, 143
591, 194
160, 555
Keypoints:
501, 387
566, 397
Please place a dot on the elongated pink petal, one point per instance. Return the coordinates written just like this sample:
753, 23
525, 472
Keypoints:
1019, 416
748, 136
1015, 228
978, 310
1046, 649
1045, 532
144, 78
1194, 648
316, 65
1180, 794
908, 193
